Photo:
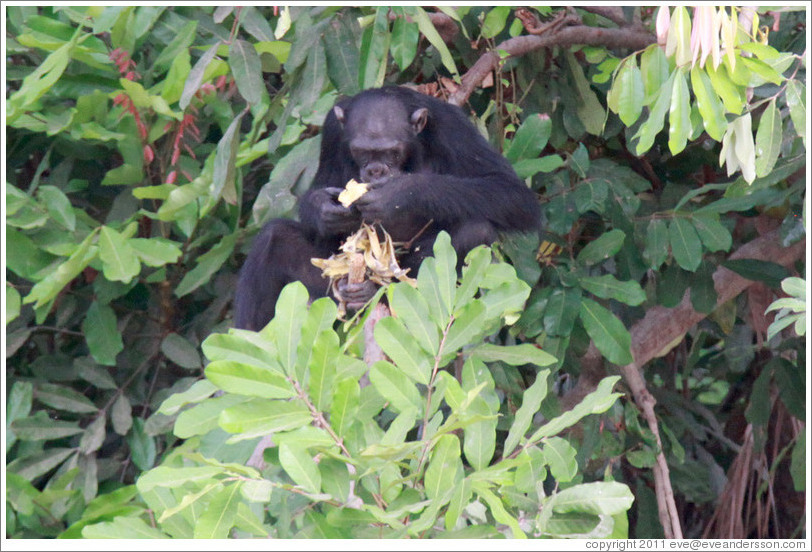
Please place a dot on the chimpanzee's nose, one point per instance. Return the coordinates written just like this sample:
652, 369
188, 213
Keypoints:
375, 172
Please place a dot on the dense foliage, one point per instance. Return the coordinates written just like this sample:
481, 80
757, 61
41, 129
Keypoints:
147, 145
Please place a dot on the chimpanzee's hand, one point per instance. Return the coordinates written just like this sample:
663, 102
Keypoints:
386, 201
356, 296
334, 218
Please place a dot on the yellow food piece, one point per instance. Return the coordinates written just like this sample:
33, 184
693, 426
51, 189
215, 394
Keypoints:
352, 191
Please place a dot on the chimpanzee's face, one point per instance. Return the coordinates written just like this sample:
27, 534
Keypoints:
382, 137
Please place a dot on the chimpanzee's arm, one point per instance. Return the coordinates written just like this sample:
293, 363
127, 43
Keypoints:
500, 199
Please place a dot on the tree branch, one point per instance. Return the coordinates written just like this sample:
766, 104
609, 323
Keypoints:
632, 38
612, 13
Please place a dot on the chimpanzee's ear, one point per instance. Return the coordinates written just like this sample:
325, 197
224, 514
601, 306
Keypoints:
339, 113
418, 119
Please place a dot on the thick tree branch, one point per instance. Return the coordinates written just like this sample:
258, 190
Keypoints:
612, 13
632, 38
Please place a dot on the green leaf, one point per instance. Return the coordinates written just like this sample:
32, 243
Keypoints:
345, 406
18, 405
654, 71
709, 104
180, 351
654, 124
497, 508
479, 438
63, 398
495, 20
459, 501
142, 446
405, 35
796, 101
560, 456
597, 402
299, 465
199, 390
685, 244
247, 70
286, 326
94, 435
165, 476
195, 78
590, 112
374, 50
218, 518
609, 287
322, 369
203, 417
31, 467
429, 287
13, 303
427, 28
607, 245
40, 81
258, 417
711, 231
530, 167
50, 286
758, 407
561, 311
155, 251
656, 250
122, 528
394, 386
531, 402
797, 466
58, 206
465, 328
445, 467
762, 70
609, 334
179, 44
100, 327
732, 95
252, 381
601, 498
768, 139
42, 428
398, 344
245, 347
121, 415
410, 307
532, 469
515, 355
207, 264
759, 271
476, 265
120, 261
530, 138
703, 292
341, 48
680, 114
223, 179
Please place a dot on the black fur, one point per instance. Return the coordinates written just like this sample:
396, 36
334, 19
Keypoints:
450, 175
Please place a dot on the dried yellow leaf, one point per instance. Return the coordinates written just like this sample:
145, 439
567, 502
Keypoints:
352, 191
380, 259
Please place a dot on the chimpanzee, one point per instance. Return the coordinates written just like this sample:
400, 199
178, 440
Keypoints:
428, 170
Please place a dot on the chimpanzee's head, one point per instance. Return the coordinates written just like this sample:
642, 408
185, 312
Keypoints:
382, 135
